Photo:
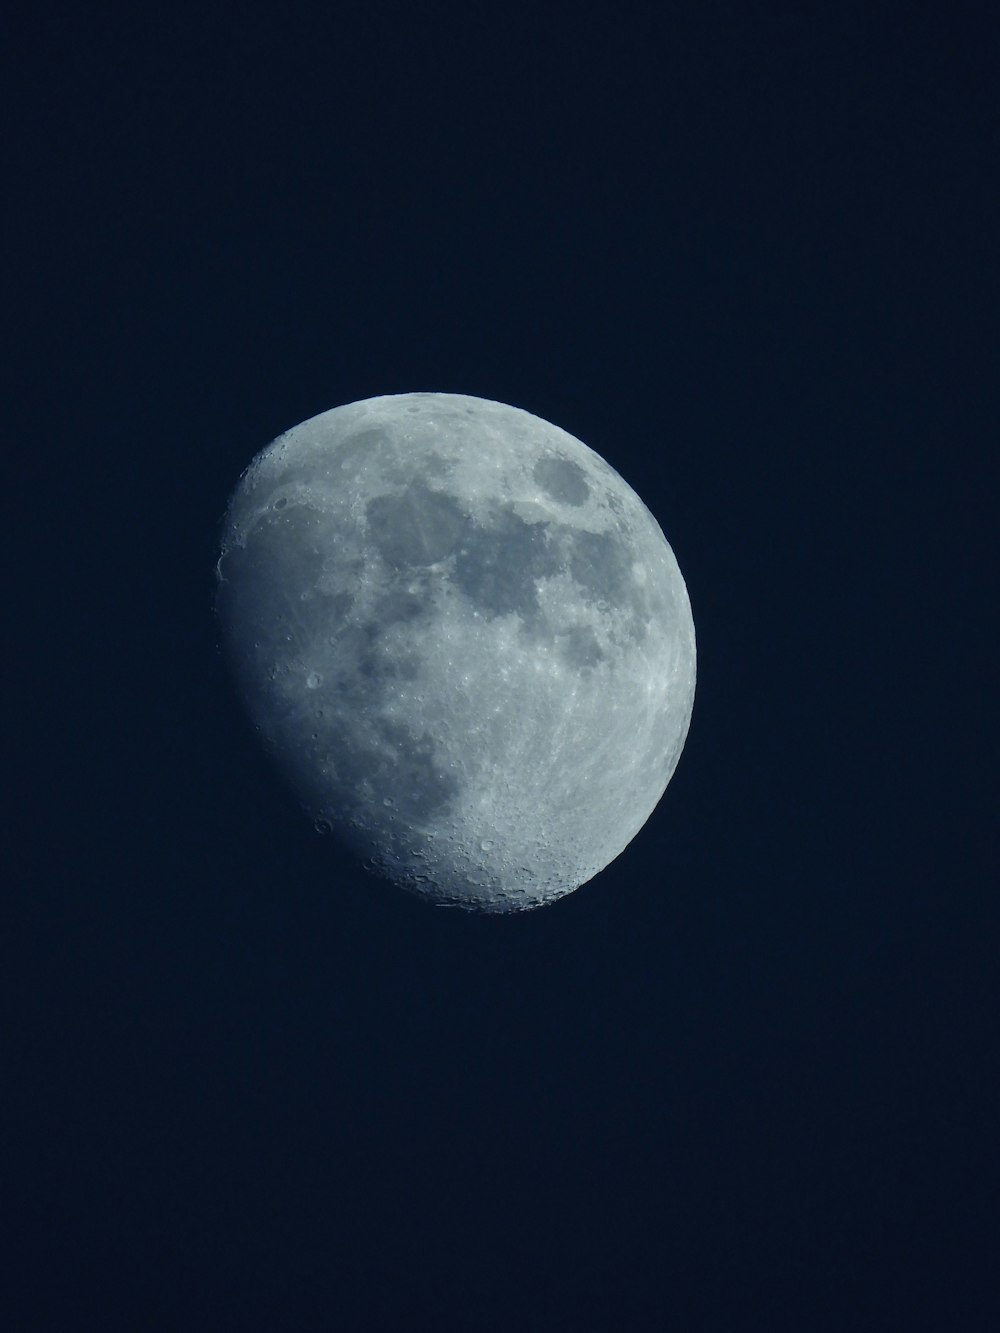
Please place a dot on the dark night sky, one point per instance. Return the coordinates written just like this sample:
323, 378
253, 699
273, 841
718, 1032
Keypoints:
743, 1080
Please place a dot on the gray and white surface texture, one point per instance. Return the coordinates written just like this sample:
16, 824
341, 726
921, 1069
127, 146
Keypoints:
463, 639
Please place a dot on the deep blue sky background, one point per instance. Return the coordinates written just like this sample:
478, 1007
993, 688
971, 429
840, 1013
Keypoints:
746, 1078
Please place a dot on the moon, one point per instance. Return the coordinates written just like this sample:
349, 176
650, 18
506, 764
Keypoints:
464, 641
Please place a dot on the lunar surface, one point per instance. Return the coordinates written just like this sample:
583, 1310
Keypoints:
463, 639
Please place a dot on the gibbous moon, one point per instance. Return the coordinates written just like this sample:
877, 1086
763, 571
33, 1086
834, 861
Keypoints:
464, 641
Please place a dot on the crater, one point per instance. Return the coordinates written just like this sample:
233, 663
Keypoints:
562, 480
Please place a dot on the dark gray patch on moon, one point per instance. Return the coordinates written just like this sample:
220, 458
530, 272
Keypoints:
498, 566
579, 647
281, 554
262, 584
401, 605
418, 528
348, 767
399, 765
361, 443
340, 604
359, 750
436, 466
562, 480
601, 564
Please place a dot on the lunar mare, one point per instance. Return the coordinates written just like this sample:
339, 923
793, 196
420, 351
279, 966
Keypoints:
464, 641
